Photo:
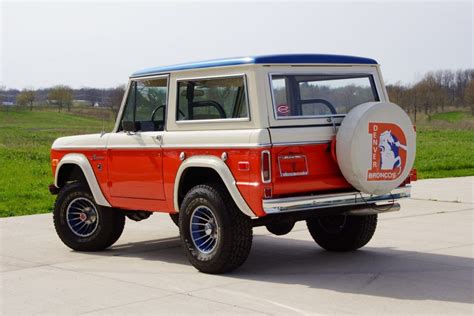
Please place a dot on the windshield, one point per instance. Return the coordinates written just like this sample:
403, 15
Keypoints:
306, 96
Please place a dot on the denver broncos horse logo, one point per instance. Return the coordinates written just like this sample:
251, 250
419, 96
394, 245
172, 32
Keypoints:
390, 146
389, 151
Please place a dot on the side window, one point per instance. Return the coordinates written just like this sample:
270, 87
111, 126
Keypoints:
146, 104
210, 99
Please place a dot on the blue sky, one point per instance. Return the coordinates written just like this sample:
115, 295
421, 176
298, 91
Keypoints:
99, 43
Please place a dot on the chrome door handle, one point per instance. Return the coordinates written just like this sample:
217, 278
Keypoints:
159, 138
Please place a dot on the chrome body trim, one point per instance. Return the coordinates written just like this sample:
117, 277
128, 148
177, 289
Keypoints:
224, 120
172, 146
393, 207
276, 144
302, 203
218, 146
262, 157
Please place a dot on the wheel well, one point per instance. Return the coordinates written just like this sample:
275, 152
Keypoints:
70, 173
196, 175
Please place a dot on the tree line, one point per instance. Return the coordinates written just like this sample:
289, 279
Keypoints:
62, 97
436, 91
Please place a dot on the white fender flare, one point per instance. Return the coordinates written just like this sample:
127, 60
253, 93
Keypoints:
81, 161
221, 168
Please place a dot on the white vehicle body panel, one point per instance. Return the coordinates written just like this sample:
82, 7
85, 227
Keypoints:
90, 141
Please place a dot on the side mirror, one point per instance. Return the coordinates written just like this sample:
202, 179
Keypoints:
129, 126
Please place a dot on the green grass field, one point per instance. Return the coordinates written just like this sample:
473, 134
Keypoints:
445, 149
25, 142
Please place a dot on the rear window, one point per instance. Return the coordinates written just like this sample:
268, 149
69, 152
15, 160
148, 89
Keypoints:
212, 99
307, 96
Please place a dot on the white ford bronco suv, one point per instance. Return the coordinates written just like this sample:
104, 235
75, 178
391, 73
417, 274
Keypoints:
227, 145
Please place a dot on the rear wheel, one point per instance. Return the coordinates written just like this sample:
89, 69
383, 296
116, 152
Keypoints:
215, 235
82, 224
342, 232
281, 227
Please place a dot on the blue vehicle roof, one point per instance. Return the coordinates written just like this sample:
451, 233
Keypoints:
264, 59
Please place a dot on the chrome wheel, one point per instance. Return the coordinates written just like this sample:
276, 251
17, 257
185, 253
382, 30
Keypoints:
82, 217
204, 229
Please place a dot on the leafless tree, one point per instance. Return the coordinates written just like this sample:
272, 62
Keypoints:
114, 99
61, 96
26, 98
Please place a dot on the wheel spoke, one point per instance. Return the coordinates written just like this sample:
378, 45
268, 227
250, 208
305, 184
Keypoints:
88, 228
77, 224
77, 209
199, 224
211, 244
202, 218
81, 227
206, 241
75, 217
199, 238
82, 204
202, 213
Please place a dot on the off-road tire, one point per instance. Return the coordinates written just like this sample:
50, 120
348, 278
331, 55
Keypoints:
109, 228
280, 227
175, 218
354, 233
234, 234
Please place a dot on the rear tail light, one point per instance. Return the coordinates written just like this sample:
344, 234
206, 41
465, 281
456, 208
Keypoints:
411, 177
266, 167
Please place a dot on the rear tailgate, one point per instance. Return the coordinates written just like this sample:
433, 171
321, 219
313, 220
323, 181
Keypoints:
302, 160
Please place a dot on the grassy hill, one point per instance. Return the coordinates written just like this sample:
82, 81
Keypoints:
445, 149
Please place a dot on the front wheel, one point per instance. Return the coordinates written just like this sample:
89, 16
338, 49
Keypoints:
83, 225
215, 235
342, 232
175, 218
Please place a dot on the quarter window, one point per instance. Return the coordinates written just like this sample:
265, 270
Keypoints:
146, 104
320, 95
211, 99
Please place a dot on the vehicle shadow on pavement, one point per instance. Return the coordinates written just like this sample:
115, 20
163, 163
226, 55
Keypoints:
373, 271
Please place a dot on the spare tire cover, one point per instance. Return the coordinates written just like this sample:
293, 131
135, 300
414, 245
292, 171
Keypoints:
375, 147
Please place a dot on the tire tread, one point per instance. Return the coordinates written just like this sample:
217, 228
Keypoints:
234, 254
356, 234
108, 234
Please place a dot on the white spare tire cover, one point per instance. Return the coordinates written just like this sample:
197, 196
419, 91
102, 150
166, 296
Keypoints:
375, 147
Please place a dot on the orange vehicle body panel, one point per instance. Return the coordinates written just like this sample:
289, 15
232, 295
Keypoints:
135, 174
144, 179
323, 173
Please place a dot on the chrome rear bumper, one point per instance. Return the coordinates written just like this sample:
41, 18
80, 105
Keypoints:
303, 203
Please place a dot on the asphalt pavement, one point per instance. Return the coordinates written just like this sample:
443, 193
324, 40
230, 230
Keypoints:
419, 261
